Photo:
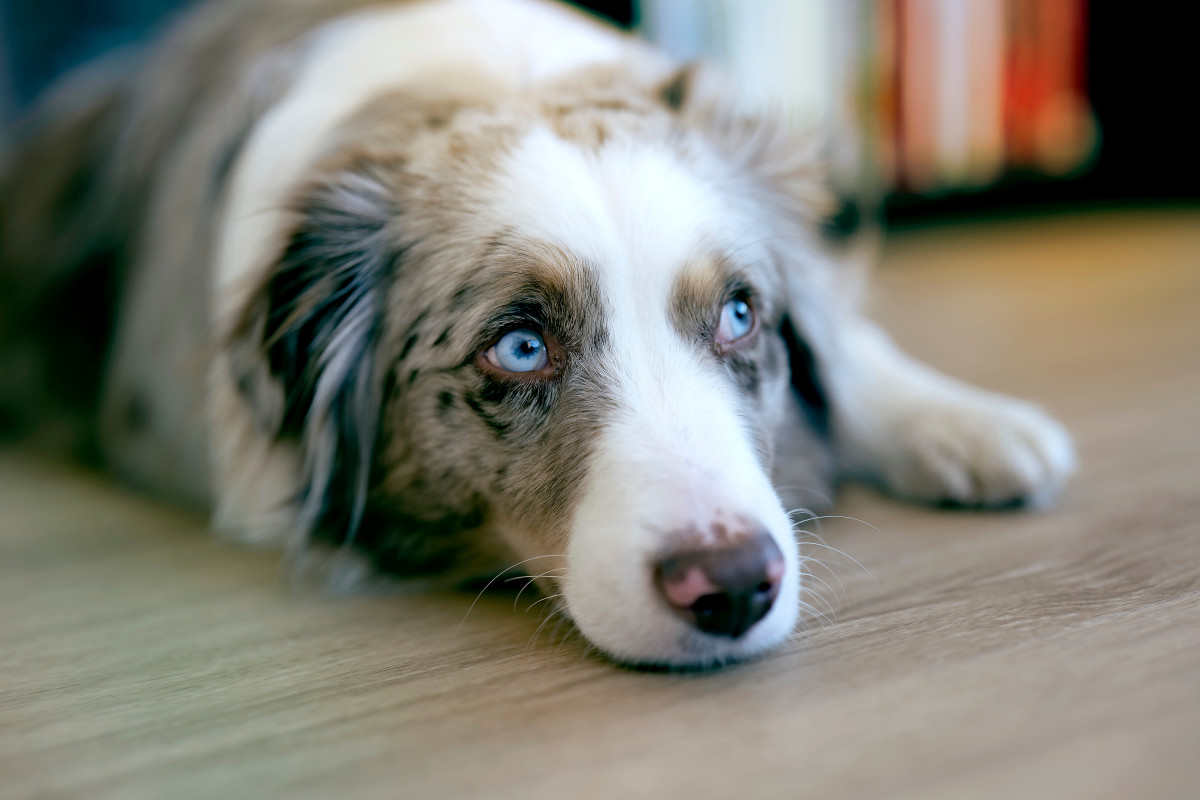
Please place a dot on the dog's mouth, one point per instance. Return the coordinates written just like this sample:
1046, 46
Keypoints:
699, 599
709, 595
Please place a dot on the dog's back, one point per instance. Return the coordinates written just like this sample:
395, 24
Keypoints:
98, 186
60, 247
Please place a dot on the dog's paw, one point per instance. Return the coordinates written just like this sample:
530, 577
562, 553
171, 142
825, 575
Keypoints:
979, 450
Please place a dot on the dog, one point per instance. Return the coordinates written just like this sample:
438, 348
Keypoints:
441, 285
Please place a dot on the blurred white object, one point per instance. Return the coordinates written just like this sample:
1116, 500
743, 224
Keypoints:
778, 51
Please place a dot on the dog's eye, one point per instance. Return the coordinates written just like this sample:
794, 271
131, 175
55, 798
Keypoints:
521, 350
737, 321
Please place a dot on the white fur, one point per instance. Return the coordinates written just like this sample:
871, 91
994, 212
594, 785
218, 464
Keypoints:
677, 454
930, 437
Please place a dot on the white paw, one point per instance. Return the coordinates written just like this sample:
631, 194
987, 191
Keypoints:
978, 449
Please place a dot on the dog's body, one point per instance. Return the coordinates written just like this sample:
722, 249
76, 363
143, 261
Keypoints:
471, 280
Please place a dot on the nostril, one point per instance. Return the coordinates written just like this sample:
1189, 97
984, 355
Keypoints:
723, 590
712, 604
682, 584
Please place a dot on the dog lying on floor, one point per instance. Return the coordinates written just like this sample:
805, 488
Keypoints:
459, 283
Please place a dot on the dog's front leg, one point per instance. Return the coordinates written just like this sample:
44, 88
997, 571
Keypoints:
929, 437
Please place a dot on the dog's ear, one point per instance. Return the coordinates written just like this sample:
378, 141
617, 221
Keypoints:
678, 88
304, 355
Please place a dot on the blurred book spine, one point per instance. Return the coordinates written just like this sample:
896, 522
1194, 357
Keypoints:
919, 96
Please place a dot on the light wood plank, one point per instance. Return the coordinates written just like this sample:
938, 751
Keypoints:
1052, 654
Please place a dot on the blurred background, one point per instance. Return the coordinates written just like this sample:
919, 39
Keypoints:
936, 108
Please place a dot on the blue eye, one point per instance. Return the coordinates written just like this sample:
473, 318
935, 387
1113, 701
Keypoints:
521, 350
737, 320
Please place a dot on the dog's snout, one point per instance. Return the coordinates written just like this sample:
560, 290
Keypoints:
723, 589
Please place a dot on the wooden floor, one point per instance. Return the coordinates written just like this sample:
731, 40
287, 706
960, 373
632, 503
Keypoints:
1004, 655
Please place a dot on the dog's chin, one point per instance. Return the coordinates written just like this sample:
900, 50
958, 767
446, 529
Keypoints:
650, 637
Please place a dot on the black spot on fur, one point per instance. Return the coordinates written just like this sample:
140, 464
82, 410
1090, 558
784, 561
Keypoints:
389, 388
462, 298
408, 346
414, 328
806, 378
245, 385
491, 419
495, 392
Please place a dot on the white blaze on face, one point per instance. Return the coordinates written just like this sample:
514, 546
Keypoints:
676, 454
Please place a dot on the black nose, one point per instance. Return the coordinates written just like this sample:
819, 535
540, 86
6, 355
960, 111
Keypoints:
725, 588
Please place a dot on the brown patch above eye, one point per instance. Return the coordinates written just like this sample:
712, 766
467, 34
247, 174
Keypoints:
698, 292
531, 283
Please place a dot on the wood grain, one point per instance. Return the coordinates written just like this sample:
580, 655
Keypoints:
1050, 654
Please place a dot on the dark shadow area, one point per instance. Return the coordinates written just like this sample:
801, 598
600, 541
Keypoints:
1140, 70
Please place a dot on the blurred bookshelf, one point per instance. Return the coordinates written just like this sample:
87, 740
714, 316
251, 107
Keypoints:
943, 108
935, 108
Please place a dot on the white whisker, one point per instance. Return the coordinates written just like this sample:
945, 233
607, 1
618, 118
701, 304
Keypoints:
544, 599
493, 580
533, 638
840, 598
847, 555
816, 596
529, 582
818, 562
815, 612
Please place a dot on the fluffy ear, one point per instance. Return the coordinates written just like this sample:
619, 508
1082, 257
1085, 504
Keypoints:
305, 352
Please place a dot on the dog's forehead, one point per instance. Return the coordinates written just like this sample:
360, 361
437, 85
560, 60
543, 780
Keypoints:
634, 209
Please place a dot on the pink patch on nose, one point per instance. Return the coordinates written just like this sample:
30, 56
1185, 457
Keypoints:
685, 590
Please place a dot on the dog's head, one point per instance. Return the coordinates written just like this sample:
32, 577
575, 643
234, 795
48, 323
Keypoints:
567, 323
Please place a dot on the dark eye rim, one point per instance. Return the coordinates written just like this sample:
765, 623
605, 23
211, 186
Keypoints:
755, 322
555, 356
